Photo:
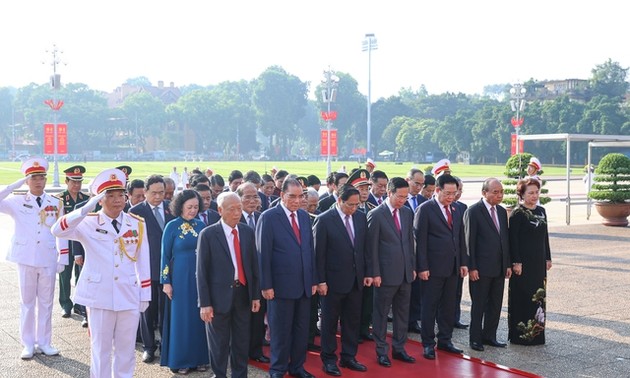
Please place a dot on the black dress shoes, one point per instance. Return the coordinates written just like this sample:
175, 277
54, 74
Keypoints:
302, 374
331, 369
476, 346
65, 313
460, 325
414, 328
495, 343
313, 348
449, 348
429, 352
148, 357
84, 323
403, 356
262, 359
366, 337
384, 361
352, 365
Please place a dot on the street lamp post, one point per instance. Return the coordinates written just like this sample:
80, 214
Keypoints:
369, 44
55, 84
331, 81
518, 105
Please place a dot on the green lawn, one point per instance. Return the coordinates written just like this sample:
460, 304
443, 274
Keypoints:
10, 171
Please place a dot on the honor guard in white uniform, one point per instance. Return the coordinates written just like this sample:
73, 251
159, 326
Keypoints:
115, 282
35, 251
441, 167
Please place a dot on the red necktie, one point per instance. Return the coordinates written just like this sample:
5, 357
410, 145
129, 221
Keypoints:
239, 259
449, 216
296, 229
396, 221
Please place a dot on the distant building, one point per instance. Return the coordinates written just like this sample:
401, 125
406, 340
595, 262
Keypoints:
168, 95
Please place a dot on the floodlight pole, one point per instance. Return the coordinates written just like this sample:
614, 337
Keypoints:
369, 44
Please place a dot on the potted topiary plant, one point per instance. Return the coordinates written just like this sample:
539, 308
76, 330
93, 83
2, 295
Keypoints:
516, 169
611, 189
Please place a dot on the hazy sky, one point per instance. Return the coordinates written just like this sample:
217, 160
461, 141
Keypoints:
456, 46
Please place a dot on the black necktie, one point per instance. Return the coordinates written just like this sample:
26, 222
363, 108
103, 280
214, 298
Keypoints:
39, 201
115, 224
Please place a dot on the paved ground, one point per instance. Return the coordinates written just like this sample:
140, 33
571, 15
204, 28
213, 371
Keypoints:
588, 330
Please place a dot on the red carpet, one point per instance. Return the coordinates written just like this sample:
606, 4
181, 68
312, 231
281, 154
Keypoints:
445, 365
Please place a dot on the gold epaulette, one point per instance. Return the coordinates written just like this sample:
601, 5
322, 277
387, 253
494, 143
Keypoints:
138, 217
91, 214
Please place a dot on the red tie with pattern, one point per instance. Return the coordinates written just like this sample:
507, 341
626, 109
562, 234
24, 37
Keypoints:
449, 216
296, 229
239, 258
396, 221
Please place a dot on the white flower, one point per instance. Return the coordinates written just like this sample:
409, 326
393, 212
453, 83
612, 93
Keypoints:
540, 315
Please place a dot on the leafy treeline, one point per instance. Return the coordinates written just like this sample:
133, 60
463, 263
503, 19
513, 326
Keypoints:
273, 114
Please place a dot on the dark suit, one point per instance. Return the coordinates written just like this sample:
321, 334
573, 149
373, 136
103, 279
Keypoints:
391, 256
372, 199
415, 303
266, 202
257, 322
288, 267
460, 280
212, 217
488, 254
341, 265
228, 333
153, 315
419, 200
326, 202
441, 251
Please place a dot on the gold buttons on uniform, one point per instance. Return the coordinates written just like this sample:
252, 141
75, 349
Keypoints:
115, 278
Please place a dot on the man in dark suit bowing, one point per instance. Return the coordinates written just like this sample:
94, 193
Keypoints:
228, 285
391, 262
154, 209
441, 254
486, 230
326, 202
249, 198
340, 235
288, 279
415, 178
206, 213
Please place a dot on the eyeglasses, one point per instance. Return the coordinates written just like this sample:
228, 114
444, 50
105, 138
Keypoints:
250, 198
449, 194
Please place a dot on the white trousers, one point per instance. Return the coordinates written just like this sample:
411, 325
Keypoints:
37, 292
113, 331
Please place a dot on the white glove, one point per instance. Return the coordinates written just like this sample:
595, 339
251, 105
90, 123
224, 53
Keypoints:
18, 184
60, 268
91, 204
144, 305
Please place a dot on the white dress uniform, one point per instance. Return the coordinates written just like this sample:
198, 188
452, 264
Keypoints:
114, 283
38, 257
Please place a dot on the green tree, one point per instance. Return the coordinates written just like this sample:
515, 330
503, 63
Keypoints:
145, 117
280, 100
609, 79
